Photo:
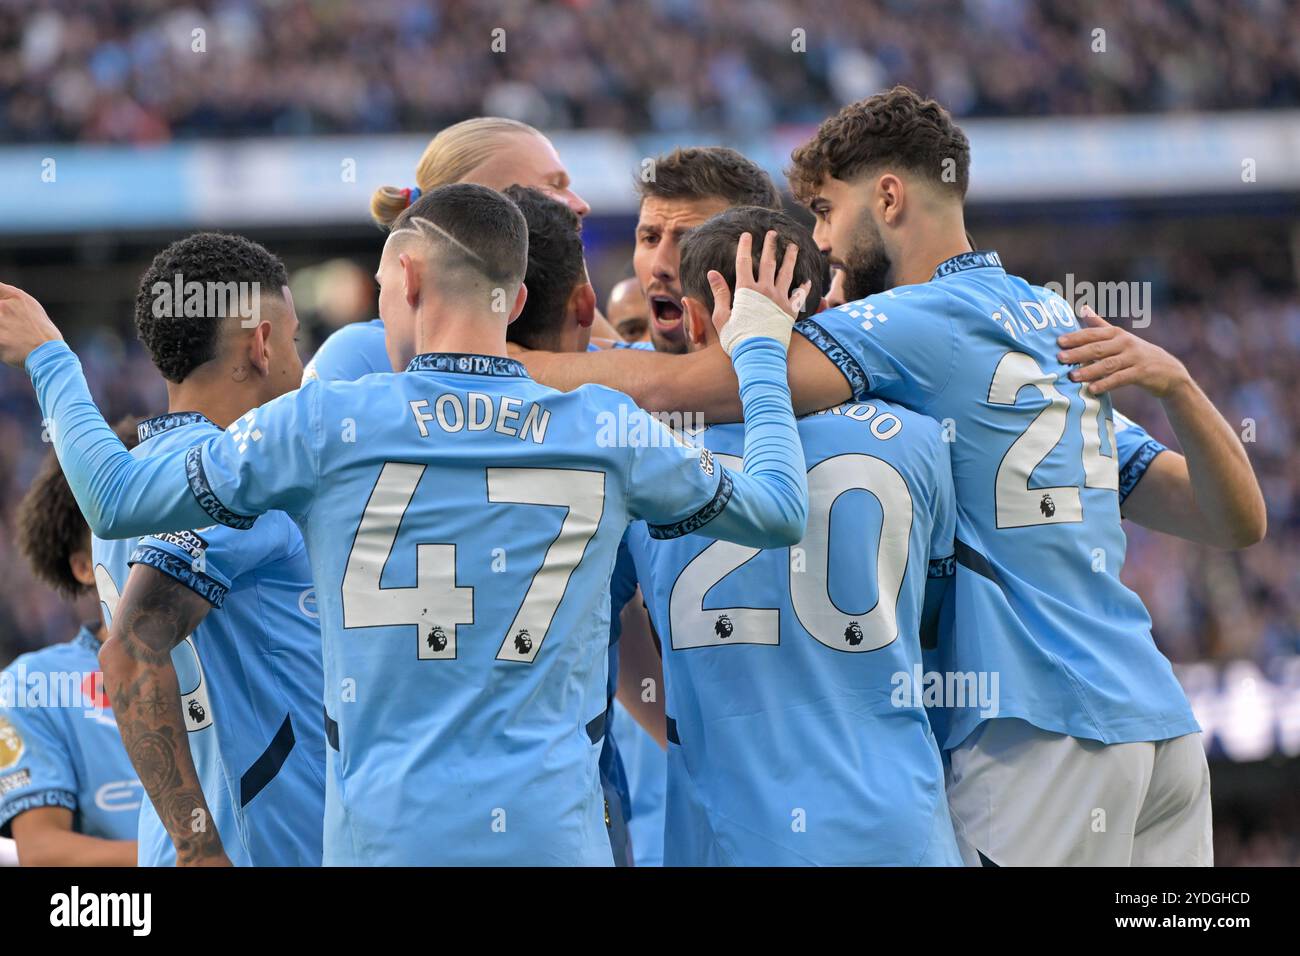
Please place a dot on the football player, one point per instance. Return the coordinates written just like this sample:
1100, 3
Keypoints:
68, 793
457, 498
1043, 472
214, 663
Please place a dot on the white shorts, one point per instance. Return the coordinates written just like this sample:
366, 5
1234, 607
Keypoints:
1021, 796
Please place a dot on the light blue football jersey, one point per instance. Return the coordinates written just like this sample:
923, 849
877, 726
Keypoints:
59, 744
646, 767
462, 523
1135, 450
359, 349
349, 353
1039, 601
794, 734
250, 675
638, 346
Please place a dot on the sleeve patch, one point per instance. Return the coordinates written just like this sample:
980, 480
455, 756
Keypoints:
35, 801
695, 522
211, 590
11, 743
942, 567
839, 355
15, 781
201, 488
187, 541
1137, 466
706, 462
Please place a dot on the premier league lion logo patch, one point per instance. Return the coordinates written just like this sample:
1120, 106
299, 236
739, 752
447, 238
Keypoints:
437, 639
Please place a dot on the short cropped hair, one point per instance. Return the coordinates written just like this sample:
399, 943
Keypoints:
478, 228
709, 172
555, 266
712, 246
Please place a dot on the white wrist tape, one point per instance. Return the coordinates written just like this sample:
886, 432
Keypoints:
754, 314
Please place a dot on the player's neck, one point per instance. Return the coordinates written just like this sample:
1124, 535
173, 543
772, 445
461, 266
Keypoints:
929, 248
472, 334
219, 401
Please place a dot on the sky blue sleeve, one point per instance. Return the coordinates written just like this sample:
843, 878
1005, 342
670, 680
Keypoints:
44, 774
210, 560
941, 568
349, 353
1135, 449
944, 530
267, 459
217, 481
679, 490
120, 496
898, 344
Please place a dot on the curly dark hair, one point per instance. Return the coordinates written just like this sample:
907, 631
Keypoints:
180, 343
897, 128
50, 526
709, 172
555, 266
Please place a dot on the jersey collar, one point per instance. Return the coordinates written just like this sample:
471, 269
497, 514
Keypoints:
87, 639
165, 423
985, 259
467, 363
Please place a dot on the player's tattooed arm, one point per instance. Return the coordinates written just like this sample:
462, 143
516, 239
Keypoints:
155, 614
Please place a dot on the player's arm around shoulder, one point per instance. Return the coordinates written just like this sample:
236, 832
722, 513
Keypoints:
1210, 493
269, 459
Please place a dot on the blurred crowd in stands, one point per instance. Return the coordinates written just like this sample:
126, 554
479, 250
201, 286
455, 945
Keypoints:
153, 70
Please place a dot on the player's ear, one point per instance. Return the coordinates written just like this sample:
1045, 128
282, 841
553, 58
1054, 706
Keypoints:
698, 321
83, 568
520, 298
891, 193
411, 278
582, 304
259, 347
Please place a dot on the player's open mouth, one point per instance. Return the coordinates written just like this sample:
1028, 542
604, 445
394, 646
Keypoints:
667, 313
